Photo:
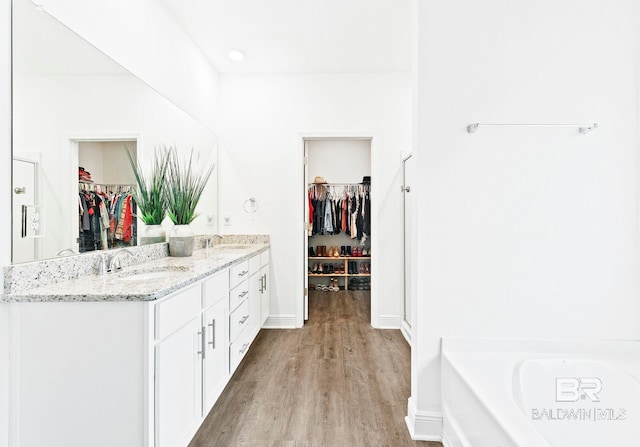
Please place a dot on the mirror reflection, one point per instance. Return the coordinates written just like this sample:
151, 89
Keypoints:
74, 113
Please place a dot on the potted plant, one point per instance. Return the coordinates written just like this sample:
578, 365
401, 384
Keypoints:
150, 196
186, 180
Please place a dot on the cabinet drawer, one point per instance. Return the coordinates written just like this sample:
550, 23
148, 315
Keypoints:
264, 257
238, 320
175, 311
238, 294
254, 265
215, 288
238, 349
238, 273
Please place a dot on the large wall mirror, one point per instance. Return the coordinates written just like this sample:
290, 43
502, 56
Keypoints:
73, 107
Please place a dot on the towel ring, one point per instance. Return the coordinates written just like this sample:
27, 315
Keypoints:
250, 206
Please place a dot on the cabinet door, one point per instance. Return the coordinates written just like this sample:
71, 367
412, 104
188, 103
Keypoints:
216, 360
264, 298
178, 385
254, 303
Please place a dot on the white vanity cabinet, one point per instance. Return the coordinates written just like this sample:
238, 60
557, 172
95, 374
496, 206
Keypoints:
264, 286
239, 314
215, 302
129, 373
178, 367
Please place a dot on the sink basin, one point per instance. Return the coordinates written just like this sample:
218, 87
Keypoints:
231, 246
156, 273
142, 276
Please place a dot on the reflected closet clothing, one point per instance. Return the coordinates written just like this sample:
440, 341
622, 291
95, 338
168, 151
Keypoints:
105, 220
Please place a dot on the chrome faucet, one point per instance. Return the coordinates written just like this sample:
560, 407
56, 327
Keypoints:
67, 250
113, 261
209, 239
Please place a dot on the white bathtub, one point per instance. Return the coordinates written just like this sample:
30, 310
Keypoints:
527, 393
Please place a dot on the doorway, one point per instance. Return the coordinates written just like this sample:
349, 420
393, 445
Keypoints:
25, 246
338, 211
105, 179
407, 210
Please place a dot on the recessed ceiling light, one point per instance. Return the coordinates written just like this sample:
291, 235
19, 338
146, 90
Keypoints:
236, 55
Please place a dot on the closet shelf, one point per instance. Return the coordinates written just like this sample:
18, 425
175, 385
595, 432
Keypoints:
337, 274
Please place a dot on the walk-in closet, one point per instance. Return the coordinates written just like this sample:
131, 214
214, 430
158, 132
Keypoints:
339, 204
106, 209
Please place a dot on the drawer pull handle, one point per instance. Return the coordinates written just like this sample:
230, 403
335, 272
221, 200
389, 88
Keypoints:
245, 318
244, 272
202, 335
243, 294
212, 325
244, 348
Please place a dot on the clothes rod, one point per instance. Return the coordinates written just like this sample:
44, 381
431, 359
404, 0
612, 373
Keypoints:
582, 128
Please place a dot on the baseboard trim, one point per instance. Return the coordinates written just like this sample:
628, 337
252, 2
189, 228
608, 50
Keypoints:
389, 322
445, 439
406, 331
280, 322
424, 425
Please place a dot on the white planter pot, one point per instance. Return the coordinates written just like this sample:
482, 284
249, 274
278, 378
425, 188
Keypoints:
181, 241
153, 234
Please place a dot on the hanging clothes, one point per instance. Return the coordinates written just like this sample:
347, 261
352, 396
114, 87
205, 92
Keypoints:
334, 209
105, 219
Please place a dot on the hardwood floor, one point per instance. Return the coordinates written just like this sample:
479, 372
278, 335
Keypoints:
336, 382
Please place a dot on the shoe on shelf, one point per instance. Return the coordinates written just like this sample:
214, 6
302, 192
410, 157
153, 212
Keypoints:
343, 250
365, 251
348, 250
312, 252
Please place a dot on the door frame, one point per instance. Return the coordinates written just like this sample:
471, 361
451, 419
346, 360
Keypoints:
36, 161
301, 244
406, 326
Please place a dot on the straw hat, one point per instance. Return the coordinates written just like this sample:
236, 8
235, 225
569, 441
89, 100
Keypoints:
319, 180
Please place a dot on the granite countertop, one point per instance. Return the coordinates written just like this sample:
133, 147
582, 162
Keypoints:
163, 276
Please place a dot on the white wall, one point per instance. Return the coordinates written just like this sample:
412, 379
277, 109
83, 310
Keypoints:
263, 118
144, 38
107, 161
5, 206
339, 161
528, 233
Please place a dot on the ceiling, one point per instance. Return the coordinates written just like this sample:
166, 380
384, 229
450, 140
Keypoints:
300, 36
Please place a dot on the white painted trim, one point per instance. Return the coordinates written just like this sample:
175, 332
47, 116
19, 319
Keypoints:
390, 322
281, 322
14, 375
445, 440
406, 331
301, 271
423, 425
